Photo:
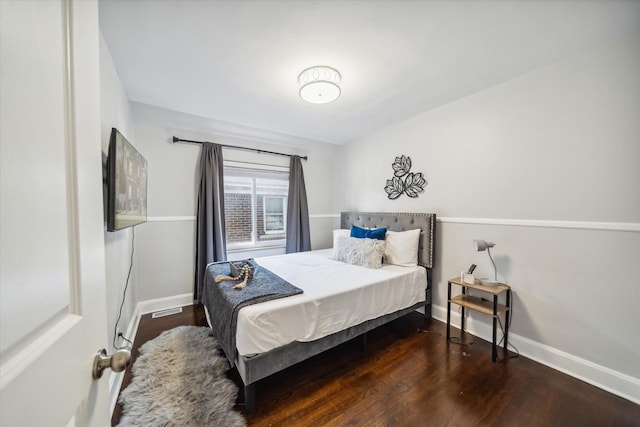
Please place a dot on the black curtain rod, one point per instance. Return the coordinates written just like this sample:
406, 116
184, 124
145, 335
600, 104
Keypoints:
235, 147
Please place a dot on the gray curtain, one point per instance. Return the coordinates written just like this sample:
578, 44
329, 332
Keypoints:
298, 236
211, 244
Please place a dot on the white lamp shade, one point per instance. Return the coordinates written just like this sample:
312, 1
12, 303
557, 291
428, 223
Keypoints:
482, 245
319, 85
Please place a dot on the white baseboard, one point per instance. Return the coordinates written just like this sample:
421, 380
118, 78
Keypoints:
615, 382
143, 307
116, 378
150, 306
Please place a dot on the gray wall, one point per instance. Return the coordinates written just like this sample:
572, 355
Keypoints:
115, 112
547, 166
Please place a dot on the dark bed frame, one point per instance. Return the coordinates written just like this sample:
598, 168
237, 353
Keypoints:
253, 369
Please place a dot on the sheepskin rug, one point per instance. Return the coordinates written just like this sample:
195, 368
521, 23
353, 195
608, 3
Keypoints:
179, 380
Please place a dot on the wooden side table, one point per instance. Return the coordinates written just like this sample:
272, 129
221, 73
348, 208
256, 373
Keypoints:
491, 308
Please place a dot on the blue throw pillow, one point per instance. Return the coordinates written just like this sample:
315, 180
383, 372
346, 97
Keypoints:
363, 233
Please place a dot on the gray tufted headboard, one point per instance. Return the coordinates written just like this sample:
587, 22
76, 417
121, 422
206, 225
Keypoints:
398, 222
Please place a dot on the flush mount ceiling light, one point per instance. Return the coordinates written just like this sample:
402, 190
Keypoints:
320, 84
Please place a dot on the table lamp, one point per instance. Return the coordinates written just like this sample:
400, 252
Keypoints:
482, 245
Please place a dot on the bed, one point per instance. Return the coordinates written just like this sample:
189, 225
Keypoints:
276, 334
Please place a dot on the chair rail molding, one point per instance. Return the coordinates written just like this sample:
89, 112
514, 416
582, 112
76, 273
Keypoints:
580, 225
512, 222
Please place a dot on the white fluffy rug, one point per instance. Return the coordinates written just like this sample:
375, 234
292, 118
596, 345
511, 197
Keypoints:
179, 380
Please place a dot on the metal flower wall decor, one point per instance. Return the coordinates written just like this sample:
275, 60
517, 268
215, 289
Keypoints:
404, 181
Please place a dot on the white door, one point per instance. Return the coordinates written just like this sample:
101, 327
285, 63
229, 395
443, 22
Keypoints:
52, 274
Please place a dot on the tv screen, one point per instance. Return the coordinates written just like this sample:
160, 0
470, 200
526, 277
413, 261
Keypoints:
126, 183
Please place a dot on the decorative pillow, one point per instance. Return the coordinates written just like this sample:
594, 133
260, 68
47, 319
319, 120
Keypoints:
337, 233
363, 252
402, 247
363, 233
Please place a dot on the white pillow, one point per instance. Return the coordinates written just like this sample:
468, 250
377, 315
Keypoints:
402, 247
363, 252
340, 232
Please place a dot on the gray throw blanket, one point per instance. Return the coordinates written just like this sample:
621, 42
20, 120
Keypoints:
223, 302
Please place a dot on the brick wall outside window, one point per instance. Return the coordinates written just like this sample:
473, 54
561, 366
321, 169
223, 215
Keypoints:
237, 213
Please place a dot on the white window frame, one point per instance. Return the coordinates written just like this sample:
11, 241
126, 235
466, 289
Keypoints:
283, 201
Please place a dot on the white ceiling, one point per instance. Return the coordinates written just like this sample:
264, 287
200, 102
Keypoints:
237, 62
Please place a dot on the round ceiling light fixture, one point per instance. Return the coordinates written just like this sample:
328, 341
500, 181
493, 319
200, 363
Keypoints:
319, 84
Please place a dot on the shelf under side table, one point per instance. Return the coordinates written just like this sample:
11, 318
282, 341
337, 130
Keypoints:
479, 304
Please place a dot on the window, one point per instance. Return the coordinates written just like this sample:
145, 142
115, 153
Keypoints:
255, 207
275, 210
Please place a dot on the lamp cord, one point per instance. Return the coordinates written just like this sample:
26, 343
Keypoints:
495, 271
508, 322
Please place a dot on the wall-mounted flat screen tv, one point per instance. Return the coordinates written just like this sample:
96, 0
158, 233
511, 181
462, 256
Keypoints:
126, 184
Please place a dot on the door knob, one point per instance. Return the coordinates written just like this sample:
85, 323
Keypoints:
118, 361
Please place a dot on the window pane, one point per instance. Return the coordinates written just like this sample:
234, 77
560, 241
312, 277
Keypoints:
255, 207
237, 216
237, 184
272, 187
273, 222
273, 205
274, 214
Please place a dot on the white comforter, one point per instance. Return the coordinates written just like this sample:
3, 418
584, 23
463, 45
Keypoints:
336, 296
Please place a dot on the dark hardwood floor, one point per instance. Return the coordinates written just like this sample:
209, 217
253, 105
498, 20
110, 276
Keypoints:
410, 376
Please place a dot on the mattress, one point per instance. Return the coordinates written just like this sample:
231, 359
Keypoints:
336, 296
